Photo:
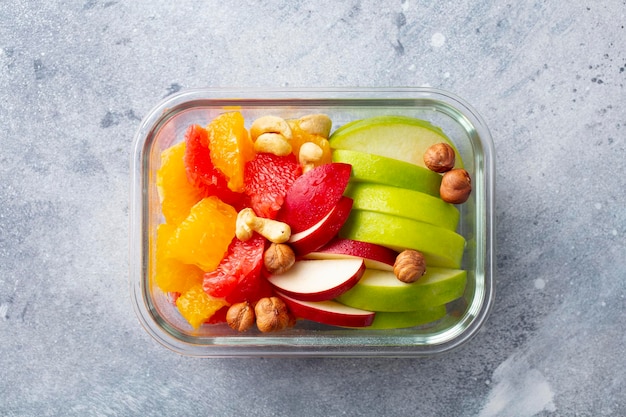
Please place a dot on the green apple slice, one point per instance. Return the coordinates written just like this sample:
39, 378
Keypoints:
347, 125
398, 137
367, 167
403, 319
441, 247
404, 203
382, 291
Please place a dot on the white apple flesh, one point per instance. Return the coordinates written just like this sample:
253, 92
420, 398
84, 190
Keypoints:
318, 280
329, 312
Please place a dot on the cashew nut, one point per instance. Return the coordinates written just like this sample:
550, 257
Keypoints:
316, 124
271, 134
270, 124
248, 223
310, 153
272, 143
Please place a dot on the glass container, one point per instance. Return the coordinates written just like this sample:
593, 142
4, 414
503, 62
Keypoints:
165, 125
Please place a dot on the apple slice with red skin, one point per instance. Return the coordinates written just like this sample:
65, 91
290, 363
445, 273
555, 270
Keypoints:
323, 231
319, 280
313, 195
375, 256
329, 312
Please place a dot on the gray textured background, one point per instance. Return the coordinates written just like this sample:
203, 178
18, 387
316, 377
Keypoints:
76, 77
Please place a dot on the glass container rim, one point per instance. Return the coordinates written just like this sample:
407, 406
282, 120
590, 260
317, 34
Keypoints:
173, 103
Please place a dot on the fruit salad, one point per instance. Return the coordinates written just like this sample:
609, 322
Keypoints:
270, 221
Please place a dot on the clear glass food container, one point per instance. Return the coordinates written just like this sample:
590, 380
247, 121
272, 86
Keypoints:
164, 126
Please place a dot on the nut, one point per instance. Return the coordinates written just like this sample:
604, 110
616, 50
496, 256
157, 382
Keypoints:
316, 124
271, 134
409, 266
440, 157
272, 314
278, 258
310, 153
456, 186
293, 319
240, 316
273, 143
247, 223
270, 124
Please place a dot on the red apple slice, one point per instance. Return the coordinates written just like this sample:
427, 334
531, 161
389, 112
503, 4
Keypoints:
313, 194
329, 312
375, 256
319, 280
323, 231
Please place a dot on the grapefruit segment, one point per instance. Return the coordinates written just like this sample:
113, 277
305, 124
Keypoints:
267, 179
200, 170
238, 277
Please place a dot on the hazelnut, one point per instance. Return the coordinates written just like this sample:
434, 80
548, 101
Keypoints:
240, 316
271, 314
409, 266
456, 186
440, 157
278, 258
293, 319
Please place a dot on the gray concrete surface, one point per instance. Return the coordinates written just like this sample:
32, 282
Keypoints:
76, 78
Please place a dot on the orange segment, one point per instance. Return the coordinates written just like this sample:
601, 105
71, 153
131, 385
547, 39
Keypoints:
300, 137
196, 306
231, 147
203, 237
171, 274
177, 195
